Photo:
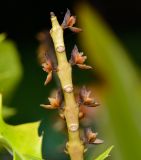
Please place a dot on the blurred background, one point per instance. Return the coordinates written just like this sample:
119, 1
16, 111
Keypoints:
111, 39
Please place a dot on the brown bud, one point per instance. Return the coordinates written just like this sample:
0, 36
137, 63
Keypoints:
85, 99
69, 21
54, 102
48, 67
78, 59
91, 137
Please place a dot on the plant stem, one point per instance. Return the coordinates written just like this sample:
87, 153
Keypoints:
74, 146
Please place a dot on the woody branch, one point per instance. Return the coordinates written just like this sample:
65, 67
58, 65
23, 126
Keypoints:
74, 145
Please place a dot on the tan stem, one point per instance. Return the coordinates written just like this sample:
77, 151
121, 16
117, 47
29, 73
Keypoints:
74, 146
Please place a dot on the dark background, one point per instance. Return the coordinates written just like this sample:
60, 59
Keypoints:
22, 20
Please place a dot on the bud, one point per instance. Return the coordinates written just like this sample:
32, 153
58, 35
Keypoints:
91, 137
85, 99
48, 67
69, 21
54, 102
78, 59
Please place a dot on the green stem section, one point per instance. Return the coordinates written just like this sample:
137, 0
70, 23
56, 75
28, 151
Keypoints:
0, 107
74, 146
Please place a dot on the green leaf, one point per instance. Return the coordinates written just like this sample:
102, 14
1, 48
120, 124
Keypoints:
21, 140
8, 112
10, 67
2, 37
121, 83
17, 157
105, 154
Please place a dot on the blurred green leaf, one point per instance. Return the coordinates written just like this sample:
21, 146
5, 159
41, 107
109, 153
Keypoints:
22, 140
2, 37
105, 154
8, 112
10, 67
122, 94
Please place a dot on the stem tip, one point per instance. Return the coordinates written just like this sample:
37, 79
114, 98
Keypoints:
52, 14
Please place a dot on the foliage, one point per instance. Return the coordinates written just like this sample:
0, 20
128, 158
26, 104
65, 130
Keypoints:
105, 154
10, 67
122, 96
22, 140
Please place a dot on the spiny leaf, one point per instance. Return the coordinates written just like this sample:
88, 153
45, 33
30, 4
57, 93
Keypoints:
105, 154
21, 139
121, 77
